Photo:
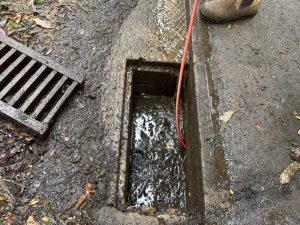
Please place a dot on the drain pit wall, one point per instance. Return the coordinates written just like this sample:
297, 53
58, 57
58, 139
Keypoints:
145, 79
194, 176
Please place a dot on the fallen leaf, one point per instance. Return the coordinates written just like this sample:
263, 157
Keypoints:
289, 172
3, 198
227, 116
29, 140
12, 25
31, 221
33, 202
297, 117
43, 23
82, 31
89, 191
66, 139
81, 201
170, 148
23, 135
258, 127
266, 200
27, 17
298, 132
17, 18
49, 51
46, 219
9, 141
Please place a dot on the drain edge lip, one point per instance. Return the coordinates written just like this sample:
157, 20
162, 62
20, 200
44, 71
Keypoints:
132, 66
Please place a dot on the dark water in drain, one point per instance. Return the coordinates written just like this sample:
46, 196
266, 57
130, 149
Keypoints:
157, 176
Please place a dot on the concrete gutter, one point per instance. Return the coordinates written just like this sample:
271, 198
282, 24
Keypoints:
212, 170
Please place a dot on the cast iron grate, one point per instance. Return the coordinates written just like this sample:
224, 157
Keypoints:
32, 88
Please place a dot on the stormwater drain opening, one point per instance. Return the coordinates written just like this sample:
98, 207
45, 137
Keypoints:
152, 160
32, 88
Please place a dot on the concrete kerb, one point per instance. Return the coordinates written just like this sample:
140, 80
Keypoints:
213, 173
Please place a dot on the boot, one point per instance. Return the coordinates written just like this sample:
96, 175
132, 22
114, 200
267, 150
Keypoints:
228, 10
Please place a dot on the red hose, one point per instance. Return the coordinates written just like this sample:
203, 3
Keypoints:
181, 75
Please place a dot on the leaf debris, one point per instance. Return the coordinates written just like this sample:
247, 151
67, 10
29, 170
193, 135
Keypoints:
258, 127
227, 116
46, 219
31, 221
43, 23
89, 192
289, 172
33, 202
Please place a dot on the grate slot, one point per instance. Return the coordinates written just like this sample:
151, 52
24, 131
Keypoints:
61, 101
17, 97
7, 59
54, 100
2, 49
43, 94
31, 100
20, 77
37, 112
14, 67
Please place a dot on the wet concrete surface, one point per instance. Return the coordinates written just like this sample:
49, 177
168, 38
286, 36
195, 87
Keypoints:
252, 67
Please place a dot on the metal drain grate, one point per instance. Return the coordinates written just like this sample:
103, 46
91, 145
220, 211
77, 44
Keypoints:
32, 88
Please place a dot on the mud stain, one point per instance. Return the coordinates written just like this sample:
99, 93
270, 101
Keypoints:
157, 177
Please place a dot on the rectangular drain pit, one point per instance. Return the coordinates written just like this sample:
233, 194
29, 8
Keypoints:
151, 157
32, 88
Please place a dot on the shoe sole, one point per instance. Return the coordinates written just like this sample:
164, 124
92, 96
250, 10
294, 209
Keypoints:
226, 21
